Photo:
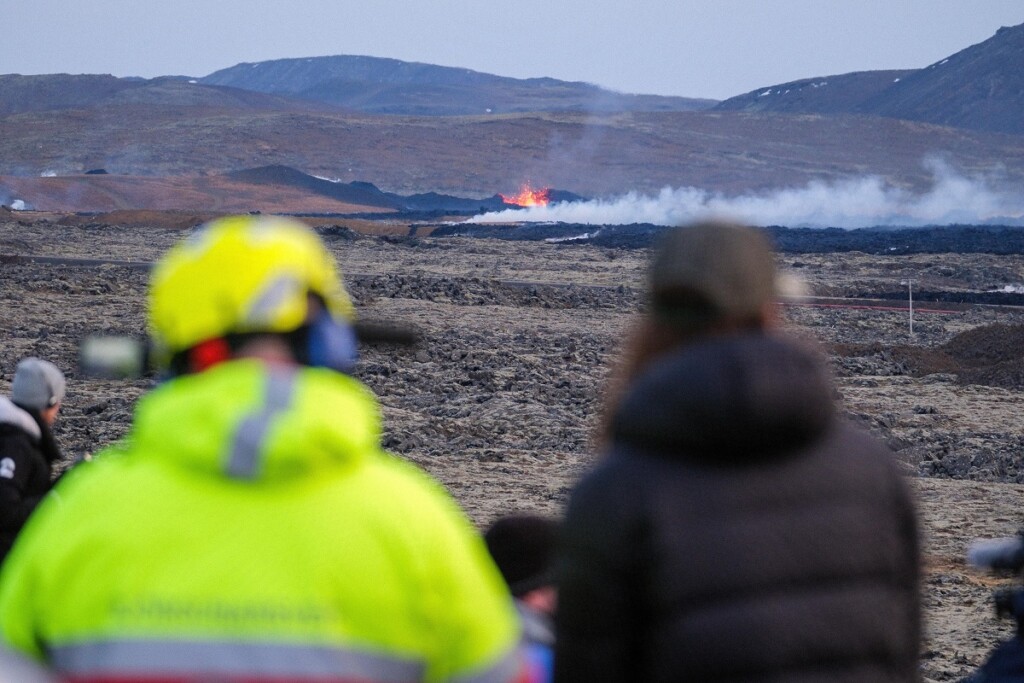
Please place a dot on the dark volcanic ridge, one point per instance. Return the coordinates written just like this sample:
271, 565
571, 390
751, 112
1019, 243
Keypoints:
361, 192
411, 207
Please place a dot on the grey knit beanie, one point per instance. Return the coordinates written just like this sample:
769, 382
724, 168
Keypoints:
38, 384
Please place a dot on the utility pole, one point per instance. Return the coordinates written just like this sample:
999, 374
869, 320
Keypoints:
910, 302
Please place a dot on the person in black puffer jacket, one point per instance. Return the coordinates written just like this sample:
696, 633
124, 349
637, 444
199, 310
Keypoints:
27, 448
738, 529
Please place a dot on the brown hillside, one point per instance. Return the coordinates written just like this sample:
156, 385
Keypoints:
479, 156
192, 193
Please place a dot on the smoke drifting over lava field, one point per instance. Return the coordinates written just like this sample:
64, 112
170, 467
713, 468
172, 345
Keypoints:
855, 202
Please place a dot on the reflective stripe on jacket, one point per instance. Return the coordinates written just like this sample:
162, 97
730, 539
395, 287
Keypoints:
250, 527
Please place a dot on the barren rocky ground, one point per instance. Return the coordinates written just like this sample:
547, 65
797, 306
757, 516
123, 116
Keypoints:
500, 399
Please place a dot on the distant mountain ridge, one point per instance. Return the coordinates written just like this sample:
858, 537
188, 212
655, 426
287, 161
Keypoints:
819, 130
55, 92
391, 86
981, 87
840, 94
978, 88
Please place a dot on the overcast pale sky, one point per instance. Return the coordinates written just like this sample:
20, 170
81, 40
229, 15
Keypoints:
695, 48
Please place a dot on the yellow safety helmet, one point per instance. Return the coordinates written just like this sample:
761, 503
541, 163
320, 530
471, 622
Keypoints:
241, 274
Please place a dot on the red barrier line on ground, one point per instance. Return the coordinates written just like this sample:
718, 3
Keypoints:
874, 308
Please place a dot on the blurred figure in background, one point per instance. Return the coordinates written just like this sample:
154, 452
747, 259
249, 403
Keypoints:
739, 529
27, 448
250, 527
524, 548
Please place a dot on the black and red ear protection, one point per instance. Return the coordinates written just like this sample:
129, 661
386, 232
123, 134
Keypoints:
208, 353
324, 342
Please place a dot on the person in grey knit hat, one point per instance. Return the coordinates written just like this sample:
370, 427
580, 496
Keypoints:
27, 447
38, 384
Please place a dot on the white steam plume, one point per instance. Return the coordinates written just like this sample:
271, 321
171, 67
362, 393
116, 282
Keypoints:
857, 202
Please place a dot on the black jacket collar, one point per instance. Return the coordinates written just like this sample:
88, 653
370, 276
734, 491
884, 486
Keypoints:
728, 400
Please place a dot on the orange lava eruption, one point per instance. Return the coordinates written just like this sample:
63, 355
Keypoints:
529, 197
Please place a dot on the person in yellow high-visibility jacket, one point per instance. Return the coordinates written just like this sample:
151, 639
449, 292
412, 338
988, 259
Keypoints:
250, 527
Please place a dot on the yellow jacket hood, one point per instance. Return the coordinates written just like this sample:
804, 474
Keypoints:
244, 418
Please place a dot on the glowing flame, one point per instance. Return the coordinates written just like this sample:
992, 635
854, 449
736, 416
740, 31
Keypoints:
529, 197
